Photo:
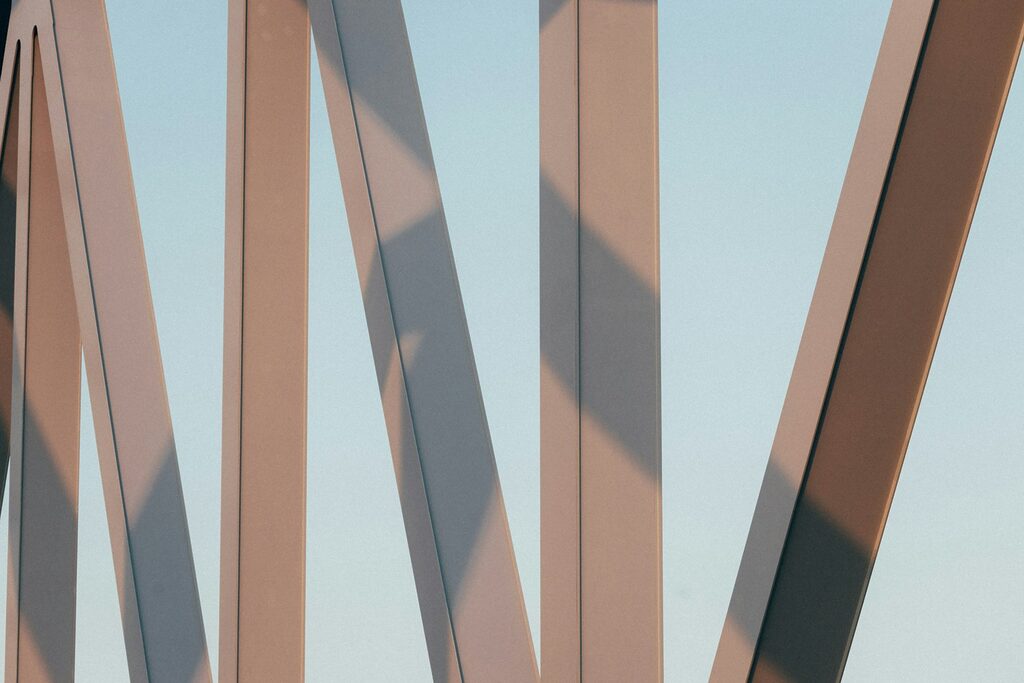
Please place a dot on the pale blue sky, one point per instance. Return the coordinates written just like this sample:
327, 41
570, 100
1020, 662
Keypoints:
759, 106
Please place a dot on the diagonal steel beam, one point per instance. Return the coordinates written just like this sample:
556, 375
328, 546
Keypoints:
160, 607
263, 502
44, 448
470, 596
917, 167
88, 186
601, 603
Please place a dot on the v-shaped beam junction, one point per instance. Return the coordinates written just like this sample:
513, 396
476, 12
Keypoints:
47, 366
78, 265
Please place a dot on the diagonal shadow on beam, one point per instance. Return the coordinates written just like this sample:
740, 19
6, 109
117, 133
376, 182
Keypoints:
48, 627
43, 600
184, 664
147, 522
842, 588
622, 287
421, 345
404, 252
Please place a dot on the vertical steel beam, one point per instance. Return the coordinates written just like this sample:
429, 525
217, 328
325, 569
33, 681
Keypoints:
265, 321
600, 391
44, 453
470, 597
160, 610
560, 624
918, 162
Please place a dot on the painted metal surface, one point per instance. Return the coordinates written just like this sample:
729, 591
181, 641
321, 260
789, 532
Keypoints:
601, 600
918, 163
87, 186
44, 453
464, 565
466, 577
73, 276
263, 520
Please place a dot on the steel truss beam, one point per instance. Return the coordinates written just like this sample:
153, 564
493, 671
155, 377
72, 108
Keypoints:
73, 263
263, 518
463, 562
917, 166
601, 559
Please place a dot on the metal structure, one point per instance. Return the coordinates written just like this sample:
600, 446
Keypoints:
600, 344
74, 277
928, 127
464, 567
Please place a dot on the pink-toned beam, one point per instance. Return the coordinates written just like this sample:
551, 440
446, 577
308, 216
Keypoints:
263, 548
918, 162
470, 597
160, 610
601, 609
44, 448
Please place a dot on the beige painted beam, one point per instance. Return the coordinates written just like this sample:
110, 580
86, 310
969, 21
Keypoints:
601, 605
88, 187
263, 504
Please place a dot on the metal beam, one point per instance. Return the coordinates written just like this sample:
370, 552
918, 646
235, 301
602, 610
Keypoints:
263, 548
91, 175
917, 166
470, 597
164, 633
43, 545
600, 359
